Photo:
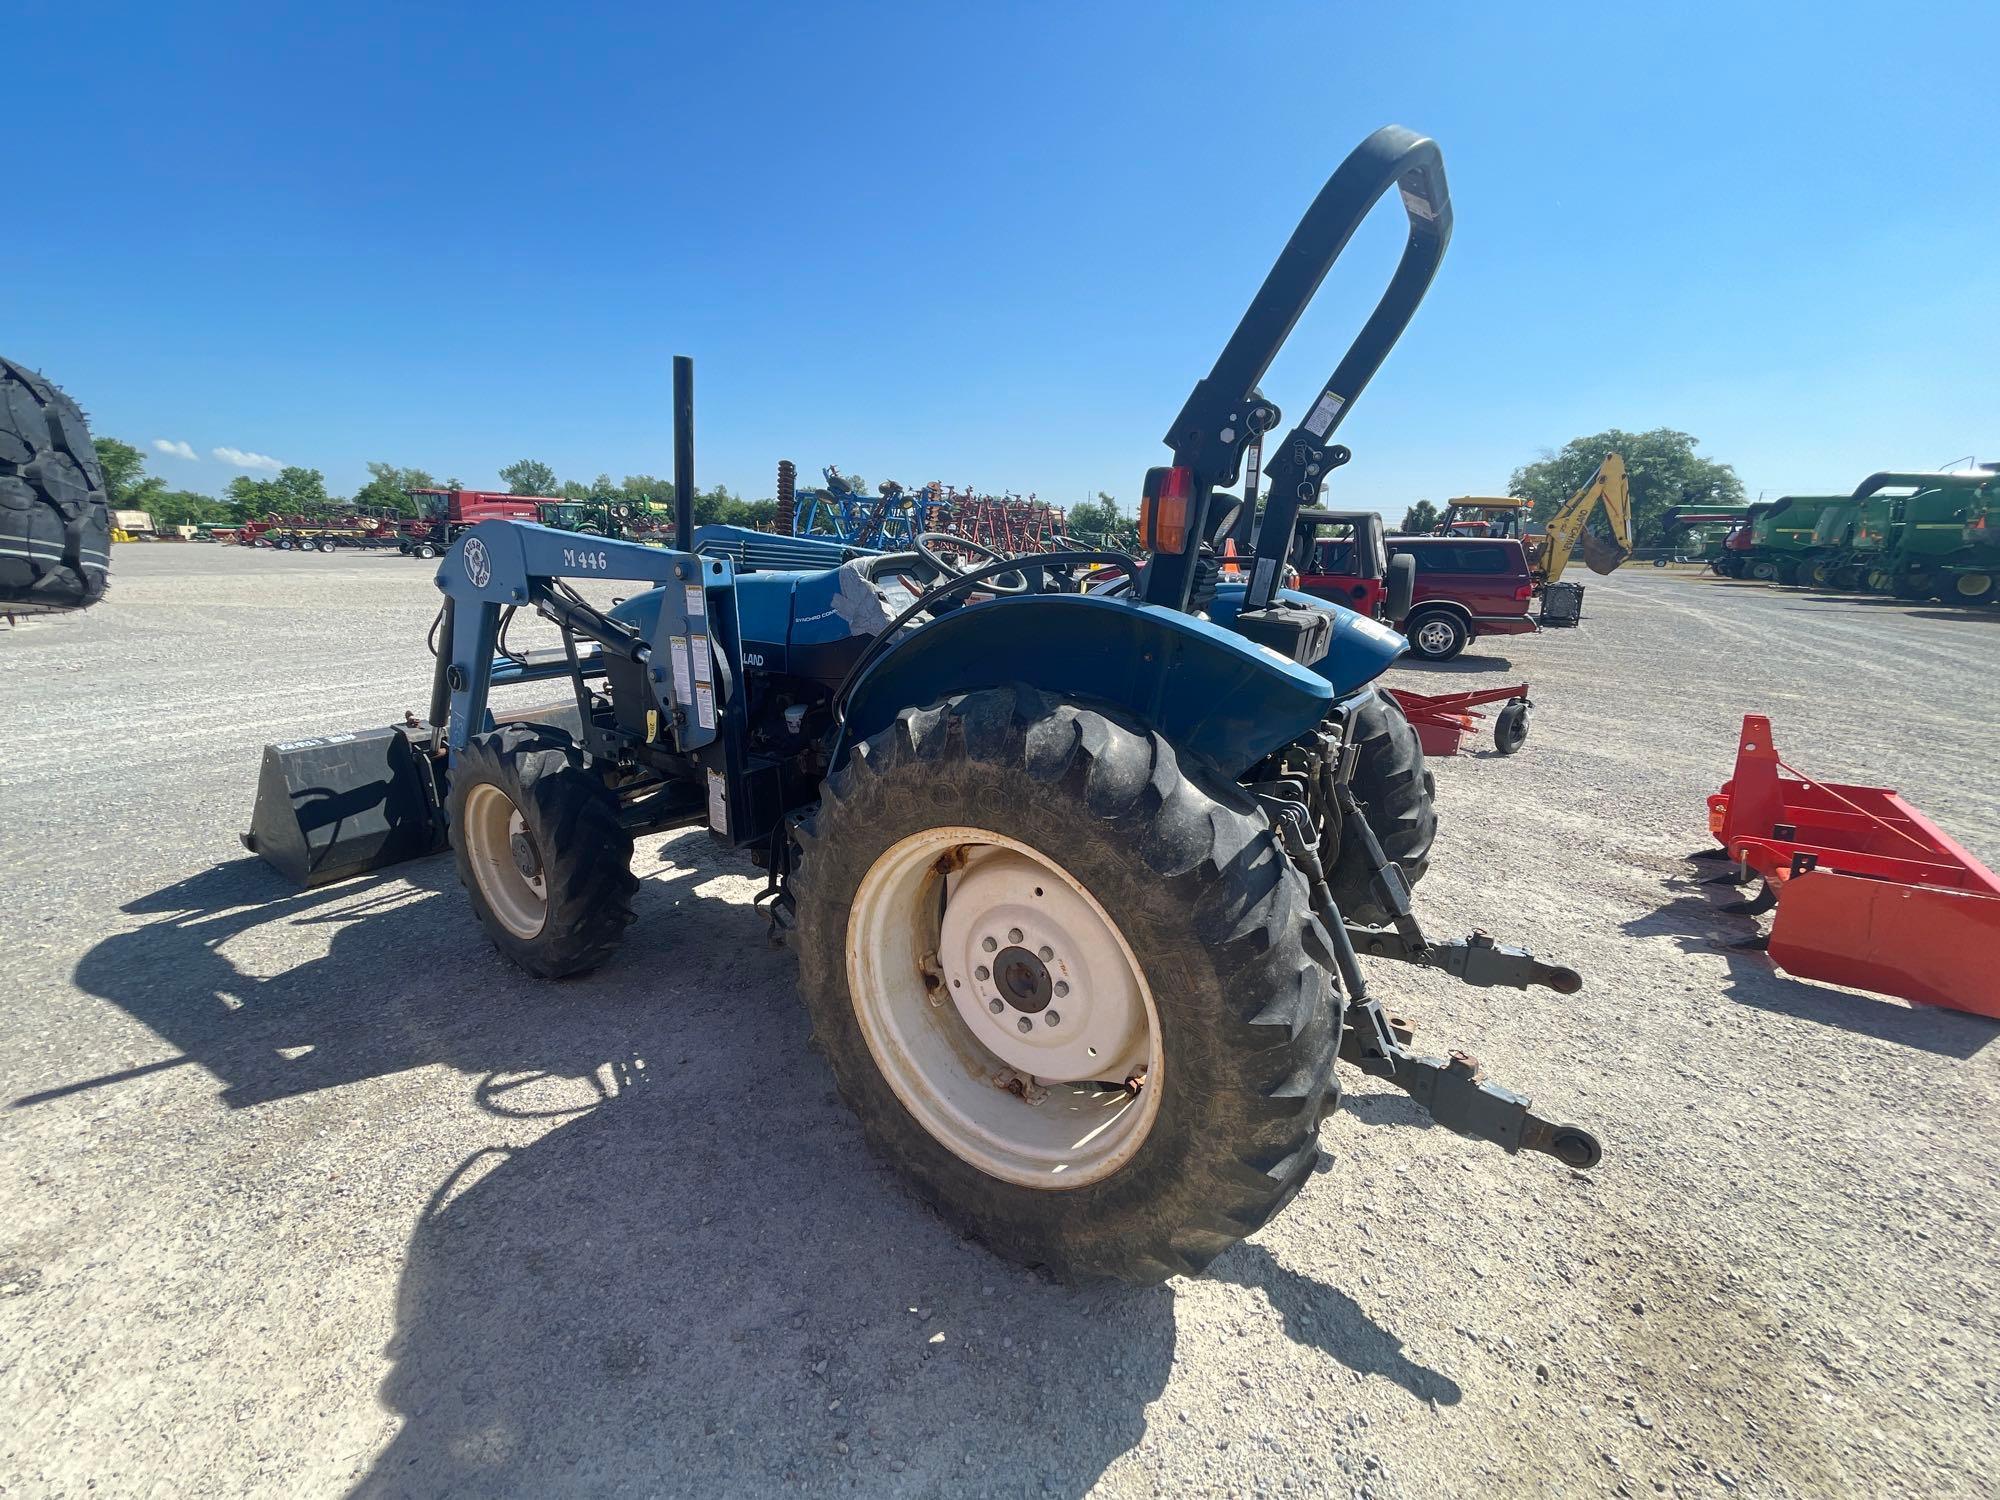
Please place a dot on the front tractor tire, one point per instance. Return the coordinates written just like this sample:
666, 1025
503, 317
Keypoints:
1069, 983
541, 851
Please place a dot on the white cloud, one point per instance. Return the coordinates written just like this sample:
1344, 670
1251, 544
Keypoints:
178, 450
244, 460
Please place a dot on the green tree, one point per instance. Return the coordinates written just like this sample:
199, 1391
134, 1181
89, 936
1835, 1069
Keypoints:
647, 487
529, 477
186, 508
292, 491
126, 482
1661, 465
1420, 519
1098, 523
386, 492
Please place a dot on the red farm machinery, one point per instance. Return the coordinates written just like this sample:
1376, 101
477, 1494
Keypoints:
1868, 891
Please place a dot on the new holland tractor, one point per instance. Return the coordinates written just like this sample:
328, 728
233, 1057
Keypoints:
1081, 883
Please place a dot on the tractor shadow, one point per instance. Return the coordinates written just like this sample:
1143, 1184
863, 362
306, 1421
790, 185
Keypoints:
1693, 919
707, 1286
404, 980
679, 1293
693, 1278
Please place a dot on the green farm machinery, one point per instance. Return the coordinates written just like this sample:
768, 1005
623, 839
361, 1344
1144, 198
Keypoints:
1930, 535
1785, 538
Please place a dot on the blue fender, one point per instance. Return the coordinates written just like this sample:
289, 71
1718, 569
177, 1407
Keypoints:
1204, 688
1362, 649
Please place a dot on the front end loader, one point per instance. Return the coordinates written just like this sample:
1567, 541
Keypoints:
1082, 882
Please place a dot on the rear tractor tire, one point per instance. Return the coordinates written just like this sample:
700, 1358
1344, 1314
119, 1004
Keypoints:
55, 529
1395, 790
541, 851
1069, 982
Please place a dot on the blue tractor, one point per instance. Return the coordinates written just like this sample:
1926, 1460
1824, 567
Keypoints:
1081, 877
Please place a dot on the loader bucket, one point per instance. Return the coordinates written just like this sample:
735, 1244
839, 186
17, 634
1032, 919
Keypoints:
1601, 554
1870, 892
343, 804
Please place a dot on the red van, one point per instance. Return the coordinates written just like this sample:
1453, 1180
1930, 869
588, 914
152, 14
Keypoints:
1465, 587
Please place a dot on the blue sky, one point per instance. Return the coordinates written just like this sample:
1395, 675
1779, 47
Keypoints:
996, 245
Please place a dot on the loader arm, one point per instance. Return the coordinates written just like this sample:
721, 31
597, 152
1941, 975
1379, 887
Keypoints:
1567, 527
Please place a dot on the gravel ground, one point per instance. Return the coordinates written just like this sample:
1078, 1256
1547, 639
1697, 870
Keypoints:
310, 1193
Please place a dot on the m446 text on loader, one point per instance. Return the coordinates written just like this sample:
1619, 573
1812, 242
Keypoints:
1081, 884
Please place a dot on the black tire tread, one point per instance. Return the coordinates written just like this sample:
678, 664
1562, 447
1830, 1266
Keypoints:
1223, 898
1396, 791
55, 519
586, 852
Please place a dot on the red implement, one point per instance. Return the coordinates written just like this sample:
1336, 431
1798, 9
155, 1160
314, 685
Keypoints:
1870, 892
1443, 721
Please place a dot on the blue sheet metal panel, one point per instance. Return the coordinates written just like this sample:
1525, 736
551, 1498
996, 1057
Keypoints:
1362, 649
1206, 689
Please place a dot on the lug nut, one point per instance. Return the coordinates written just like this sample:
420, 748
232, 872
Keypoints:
1024, 1025
1046, 952
995, 1006
1062, 988
982, 973
988, 944
1052, 1018
1013, 934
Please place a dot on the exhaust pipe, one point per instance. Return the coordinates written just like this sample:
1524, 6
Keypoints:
683, 453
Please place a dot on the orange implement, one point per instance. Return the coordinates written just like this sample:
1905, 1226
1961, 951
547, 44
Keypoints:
1870, 892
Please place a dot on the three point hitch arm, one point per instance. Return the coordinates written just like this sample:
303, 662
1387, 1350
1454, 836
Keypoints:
1452, 1089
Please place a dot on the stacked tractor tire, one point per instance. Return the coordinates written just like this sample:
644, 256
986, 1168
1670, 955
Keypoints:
55, 522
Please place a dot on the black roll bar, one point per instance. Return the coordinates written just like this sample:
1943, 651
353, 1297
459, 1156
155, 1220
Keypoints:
1226, 410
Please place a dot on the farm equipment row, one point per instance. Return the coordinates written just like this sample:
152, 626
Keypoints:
838, 512
1081, 879
443, 516
1915, 534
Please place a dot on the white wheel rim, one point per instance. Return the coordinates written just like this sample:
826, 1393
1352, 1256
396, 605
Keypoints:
1434, 635
1972, 585
492, 824
1045, 1106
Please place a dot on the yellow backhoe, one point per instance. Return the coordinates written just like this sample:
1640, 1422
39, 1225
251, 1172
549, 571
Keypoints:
1549, 553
